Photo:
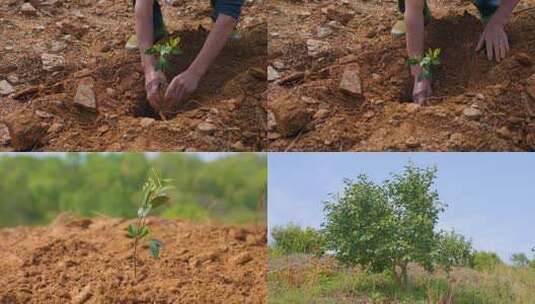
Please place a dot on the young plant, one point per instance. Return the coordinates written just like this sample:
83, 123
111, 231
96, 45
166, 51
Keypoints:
155, 195
431, 58
164, 50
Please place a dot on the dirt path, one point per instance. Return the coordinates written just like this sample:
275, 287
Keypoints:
478, 105
227, 112
89, 261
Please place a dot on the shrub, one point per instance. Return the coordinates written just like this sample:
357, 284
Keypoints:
294, 239
486, 261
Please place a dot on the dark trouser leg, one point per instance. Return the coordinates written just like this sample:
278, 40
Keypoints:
487, 8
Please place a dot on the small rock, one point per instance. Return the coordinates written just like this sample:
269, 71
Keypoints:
412, 107
55, 128
480, 96
146, 122
471, 113
57, 46
317, 48
206, 127
14, 79
238, 146
28, 9
6, 88
110, 92
242, 258
290, 115
320, 114
52, 63
25, 130
350, 83
324, 31
83, 295
43, 114
279, 65
371, 34
272, 74
131, 44
504, 132
85, 95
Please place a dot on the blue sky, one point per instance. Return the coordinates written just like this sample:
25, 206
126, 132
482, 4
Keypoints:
491, 196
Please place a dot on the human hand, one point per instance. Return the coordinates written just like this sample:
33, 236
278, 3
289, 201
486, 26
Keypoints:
421, 90
154, 80
181, 86
495, 41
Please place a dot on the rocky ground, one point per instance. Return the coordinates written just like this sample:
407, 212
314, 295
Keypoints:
67, 82
338, 80
90, 261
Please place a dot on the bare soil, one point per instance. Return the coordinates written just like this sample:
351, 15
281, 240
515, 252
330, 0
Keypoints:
90, 261
227, 112
477, 105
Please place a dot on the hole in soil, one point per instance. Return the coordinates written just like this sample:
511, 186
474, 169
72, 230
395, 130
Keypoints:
462, 69
228, 77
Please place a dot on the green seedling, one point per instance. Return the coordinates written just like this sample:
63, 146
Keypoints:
431, 58
155, 195
164, 50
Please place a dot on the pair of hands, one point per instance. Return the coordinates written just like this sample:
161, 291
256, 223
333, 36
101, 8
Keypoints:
496, 43
180, 87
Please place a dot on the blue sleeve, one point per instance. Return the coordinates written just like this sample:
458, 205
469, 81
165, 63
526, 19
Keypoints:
230, 8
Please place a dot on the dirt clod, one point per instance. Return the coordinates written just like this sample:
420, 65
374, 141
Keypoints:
290, 115
25, 129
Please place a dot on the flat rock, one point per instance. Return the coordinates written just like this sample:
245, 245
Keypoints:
351, 83
26, 130
28, 9
85, 95
55, 128
146, 122
317, 48
290, 115
242, 258
206, 127
472, 113
52, 62
6, 88
272, 74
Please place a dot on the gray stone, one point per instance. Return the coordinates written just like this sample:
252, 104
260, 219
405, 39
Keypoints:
6, 88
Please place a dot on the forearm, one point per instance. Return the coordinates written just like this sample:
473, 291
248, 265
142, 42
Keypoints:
145, 31
504, 11
414, 21
213, 45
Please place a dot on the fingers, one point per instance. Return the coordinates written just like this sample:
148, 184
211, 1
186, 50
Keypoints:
488, 47
480, 42
497, 49
175, 91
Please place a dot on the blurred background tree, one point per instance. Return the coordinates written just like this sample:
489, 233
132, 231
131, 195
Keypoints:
33, 190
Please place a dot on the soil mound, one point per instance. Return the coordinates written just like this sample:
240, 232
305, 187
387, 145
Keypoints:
90, 261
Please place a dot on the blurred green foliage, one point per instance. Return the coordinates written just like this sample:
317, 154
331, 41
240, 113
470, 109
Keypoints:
33, 190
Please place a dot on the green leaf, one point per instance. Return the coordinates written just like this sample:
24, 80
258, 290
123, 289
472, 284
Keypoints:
161, 64
143, 232
131, 231
159, 200
154, 248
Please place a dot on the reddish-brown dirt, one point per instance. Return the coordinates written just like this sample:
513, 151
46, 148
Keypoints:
227, 111
90, 261
477, 105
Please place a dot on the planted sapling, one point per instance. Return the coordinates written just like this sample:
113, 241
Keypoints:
155, 195
431, 58
164, 50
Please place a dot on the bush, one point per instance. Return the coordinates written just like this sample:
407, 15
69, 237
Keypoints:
486, 261
454, 251
294, 239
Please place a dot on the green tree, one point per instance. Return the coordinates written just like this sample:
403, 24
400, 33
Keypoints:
454, 250
520, 260
385, 227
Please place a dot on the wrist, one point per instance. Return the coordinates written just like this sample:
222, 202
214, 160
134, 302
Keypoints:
196, 72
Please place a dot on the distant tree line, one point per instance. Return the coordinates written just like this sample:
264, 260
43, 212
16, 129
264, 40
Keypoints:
33, 190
